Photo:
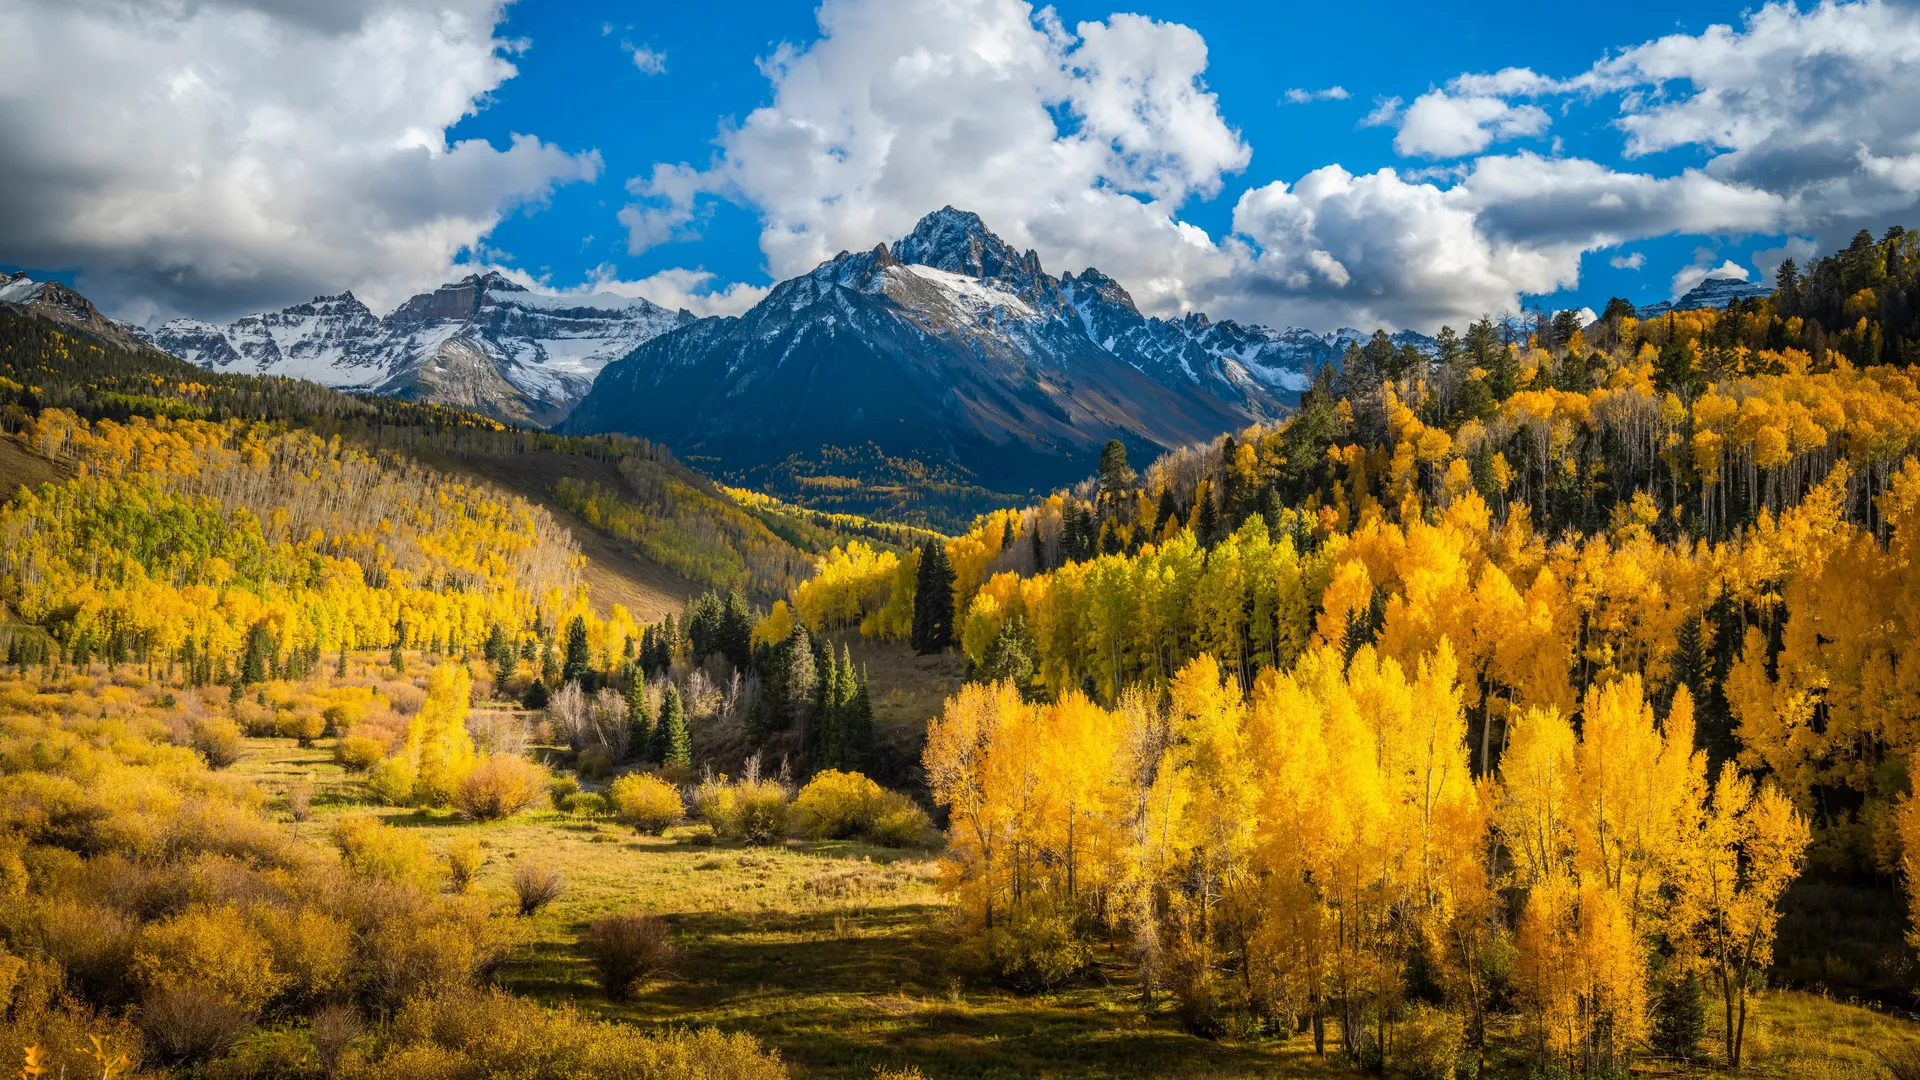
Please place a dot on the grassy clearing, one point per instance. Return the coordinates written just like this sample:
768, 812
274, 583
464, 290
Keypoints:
839, 955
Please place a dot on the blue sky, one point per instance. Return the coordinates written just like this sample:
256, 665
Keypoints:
578, 86
223, 156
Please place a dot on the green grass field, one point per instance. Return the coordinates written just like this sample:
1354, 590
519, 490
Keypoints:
841, 956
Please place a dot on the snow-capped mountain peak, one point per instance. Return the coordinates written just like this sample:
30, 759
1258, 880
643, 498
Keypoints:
484, 342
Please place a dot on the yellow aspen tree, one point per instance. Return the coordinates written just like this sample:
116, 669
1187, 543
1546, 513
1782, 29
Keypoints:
438, 745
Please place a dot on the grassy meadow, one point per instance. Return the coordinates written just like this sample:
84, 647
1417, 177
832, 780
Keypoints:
840, 956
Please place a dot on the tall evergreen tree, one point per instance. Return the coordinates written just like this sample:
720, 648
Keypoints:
859, 728
671, 743
734, 636
579, 662
933, 601
1116, 476
1206, 521
254, 663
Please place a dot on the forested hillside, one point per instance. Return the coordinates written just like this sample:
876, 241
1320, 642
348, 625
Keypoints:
1522, 680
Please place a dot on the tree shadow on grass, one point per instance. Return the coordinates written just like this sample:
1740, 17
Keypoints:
840, 993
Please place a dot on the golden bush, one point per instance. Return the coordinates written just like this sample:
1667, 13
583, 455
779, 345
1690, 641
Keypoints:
645, 802
214, 951
501, 785
372, 849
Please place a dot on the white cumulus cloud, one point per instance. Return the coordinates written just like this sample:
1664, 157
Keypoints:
1442, 125
1633, 261
212, 158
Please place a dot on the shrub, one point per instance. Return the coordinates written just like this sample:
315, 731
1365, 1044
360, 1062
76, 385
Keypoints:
625, 949
437, 956
463, 862
393, 781
561, 786
537, 884
304, 724
372, 849
838, 805
189, 1025
312, 950
647, 803
300, 802
217, 739
358, 753
1033, 950
209, 951
501, 786
755, 813
900, 824
1426, 1046
587, 804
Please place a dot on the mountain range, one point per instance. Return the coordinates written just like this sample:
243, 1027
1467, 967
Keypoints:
949, 347
483, 342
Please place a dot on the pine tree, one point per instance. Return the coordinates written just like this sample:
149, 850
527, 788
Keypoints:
671, 743
735, 632
639, 717
859, 728
254, 664
1007, 535
933, 601
1168, 510
579, 662
549, 663
536, 698
1206, 522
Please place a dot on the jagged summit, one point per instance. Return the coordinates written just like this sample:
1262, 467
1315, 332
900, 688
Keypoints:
957, 241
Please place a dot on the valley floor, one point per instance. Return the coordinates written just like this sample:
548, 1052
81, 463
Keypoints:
841, 957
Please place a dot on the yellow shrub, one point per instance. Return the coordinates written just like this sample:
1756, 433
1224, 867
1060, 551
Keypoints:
358, 753
393, 781
501, 785
647, 803
347, 706
313, 950
372, 849
209, 950
755, 813
837, 805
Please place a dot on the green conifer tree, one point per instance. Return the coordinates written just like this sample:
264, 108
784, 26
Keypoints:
579, 661
671, 743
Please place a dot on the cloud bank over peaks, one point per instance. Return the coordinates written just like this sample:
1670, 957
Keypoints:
215, 158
